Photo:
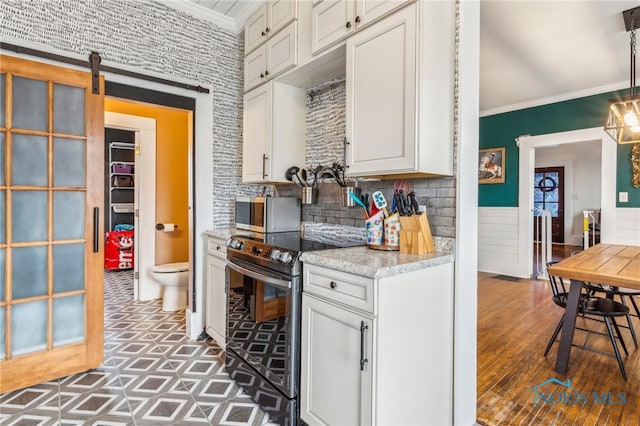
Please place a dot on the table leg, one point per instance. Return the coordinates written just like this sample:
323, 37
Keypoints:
568, 327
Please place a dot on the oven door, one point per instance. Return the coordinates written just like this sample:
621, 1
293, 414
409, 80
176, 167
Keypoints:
263, 327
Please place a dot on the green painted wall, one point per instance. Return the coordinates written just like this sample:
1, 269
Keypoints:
623, 180
501, 130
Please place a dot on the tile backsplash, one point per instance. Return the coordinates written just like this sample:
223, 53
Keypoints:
437, 194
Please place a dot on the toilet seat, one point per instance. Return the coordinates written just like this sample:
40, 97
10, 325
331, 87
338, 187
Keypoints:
171, 267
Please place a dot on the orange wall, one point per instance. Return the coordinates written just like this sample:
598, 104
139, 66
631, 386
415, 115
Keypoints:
173, 127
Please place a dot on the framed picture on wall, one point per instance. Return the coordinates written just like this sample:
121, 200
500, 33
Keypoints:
491, 165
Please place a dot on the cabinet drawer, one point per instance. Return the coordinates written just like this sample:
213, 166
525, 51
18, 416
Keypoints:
350, 290
217, 247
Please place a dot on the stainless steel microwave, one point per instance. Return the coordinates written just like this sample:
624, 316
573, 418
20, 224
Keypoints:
268, 214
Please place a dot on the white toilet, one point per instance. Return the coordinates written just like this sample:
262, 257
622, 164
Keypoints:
174, 277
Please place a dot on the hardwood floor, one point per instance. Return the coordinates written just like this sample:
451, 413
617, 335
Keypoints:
558, 252
515, 321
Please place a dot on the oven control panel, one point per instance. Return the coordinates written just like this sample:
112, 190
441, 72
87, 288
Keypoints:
261, 250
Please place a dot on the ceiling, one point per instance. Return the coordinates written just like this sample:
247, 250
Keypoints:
532, 52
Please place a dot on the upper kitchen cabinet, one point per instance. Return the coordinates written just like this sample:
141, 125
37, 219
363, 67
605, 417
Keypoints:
267, 21
400, 94
273, 132
334, 20
277, 55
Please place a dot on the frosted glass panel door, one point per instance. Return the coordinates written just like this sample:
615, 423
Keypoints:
51, 190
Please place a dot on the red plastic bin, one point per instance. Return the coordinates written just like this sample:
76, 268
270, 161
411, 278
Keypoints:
118, 250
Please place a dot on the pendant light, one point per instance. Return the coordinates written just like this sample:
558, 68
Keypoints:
623, 122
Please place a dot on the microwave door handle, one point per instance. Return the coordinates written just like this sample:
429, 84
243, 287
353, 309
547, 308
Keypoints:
282, 284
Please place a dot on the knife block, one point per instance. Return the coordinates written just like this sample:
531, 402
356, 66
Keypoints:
415, 235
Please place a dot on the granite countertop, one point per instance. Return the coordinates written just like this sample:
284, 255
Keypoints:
367, 262
222, 234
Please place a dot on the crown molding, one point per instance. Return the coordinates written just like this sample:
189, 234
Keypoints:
201, 12
553, 99
242, 17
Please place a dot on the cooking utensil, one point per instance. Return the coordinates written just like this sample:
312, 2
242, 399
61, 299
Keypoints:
335, 170
293, 171
365, 201
380, 202
332, 174
315, 175
303, 174
287, 175
359, 202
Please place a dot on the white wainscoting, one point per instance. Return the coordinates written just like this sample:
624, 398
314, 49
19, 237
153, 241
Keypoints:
627, 226
498, 240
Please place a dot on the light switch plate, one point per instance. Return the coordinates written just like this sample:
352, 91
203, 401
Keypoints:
623, 197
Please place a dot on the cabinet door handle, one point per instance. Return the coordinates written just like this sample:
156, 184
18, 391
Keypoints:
333, 284
363, 360
348, 24
261, 75
267, 29
264, 165
357, 19
266, 73
264, 34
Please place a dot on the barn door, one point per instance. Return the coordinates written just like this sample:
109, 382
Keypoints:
51, 273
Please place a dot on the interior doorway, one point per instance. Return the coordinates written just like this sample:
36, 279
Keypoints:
141, 133
530, 148
548, 194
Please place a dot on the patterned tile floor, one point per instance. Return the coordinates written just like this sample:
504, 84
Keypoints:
151, 375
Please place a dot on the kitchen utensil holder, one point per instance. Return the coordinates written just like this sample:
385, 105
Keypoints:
309, 195
347, 201
415, 235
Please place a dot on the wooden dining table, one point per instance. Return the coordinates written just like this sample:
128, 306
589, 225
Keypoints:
616, 265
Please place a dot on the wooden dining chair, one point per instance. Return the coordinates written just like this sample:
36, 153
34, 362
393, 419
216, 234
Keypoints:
593, 308
626, 295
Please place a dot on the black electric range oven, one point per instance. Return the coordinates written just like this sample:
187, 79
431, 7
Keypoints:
264, 295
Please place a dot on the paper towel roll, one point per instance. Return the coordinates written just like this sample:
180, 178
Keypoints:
169, 227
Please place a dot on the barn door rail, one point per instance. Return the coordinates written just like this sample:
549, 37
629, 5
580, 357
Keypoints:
94, 64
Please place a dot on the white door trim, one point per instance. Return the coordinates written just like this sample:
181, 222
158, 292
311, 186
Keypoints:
145, 288
527, 145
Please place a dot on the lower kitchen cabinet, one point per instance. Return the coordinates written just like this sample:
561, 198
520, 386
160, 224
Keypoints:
215, 309
336, 373
377, 351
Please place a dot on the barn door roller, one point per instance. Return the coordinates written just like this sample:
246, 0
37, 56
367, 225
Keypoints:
95, 59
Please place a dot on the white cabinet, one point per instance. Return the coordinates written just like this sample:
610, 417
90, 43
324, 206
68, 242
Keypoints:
273, 132
333, 20
267, 21
405, 125
336, 374
215, 308
276, 56
255, 30
366, 340
367, 11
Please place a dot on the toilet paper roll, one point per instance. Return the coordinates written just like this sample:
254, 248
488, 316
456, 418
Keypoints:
169, 227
